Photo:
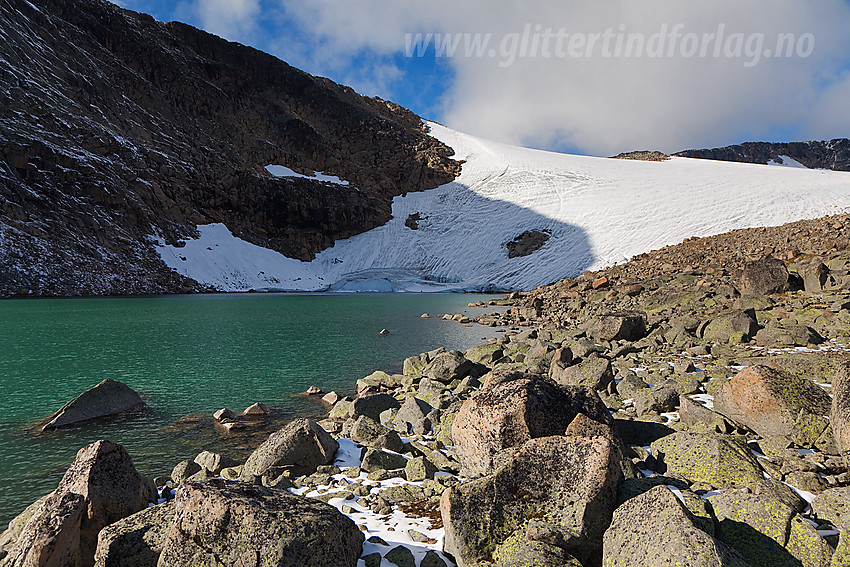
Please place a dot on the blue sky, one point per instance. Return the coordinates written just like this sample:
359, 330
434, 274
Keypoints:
582, 76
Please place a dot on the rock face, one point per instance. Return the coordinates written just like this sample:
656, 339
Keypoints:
179, 136
775, 404
567, 484
300, 446
223, 523
831, 154
654, 528
100, 487
106, 399
513, 409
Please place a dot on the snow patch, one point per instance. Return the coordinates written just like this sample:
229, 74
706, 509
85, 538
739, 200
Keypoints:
228, 263
598, 212
786, 161
283, 171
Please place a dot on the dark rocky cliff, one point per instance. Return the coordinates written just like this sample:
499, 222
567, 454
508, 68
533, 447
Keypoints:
833, 154
114, 127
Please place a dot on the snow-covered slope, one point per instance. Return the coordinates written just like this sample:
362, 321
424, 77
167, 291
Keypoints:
597, 212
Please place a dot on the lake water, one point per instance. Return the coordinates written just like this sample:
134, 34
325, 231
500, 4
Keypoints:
193, 355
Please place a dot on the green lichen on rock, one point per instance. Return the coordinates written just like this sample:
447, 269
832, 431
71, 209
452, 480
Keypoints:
719, 460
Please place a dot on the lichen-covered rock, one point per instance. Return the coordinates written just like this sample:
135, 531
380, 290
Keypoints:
567, 482
766, 532
300, 446
654, 528
183, 470
413, 416
372, 406
230, 524
834, 505
521, 551
722, 328
775, 404
620, 327
214, 462
448, 366
135, 541
106, 399
764, 276
484, 354
512, 408
658, 399
375, 459
839, 415
366, 430
99, 488
719, 460
701, 419
594, 372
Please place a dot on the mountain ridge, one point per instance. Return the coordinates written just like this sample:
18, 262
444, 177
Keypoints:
116, 127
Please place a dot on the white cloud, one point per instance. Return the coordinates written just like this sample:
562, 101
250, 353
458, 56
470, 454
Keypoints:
600, 104
235, 20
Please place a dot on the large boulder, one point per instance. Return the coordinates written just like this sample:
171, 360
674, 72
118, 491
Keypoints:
568, 483
719, 460
620, 327
593, 371
372, 406
655, 528
300, 446
106, 399
230, 524
775, 404
448, 366
764, 276
510, 409
839, 415
727, 327
767, 532
99, 488
413, 416
135, 541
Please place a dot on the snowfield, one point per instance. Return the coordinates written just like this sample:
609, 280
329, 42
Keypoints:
596, 211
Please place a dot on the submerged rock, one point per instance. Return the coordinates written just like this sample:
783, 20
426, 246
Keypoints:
106, 399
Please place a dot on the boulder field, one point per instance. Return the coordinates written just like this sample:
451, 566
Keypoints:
641, 416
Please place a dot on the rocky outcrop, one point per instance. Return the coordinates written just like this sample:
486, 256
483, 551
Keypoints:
299, 447
107, 399
224, 523
177, 134
513, 408
832, 154
100, 487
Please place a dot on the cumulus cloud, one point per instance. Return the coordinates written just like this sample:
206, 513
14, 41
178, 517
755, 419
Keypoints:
688, 92
235, 20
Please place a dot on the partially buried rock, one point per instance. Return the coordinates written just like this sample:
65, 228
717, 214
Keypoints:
301, 446
223, 523
764, 276
100, 487
106, 399
620, 327
223, 414
314, 391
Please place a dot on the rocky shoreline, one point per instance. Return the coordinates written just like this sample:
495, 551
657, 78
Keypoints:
678, 409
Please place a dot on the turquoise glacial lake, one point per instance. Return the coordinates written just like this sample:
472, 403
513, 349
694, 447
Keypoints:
189, 356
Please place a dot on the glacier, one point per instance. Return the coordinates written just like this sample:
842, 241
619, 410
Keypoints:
596, 211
